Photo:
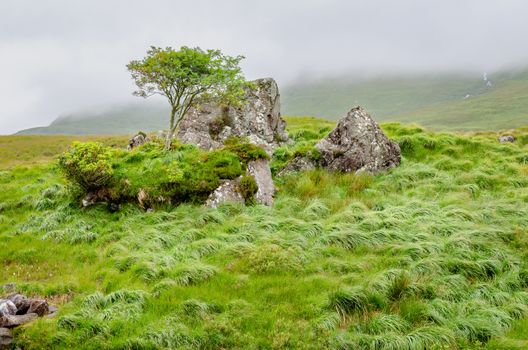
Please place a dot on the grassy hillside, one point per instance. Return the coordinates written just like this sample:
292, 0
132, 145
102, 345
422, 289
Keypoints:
32, 149
118, 121
436, 102
431, 255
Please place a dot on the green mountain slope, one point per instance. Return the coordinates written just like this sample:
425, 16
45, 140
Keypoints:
434, 101
124, 120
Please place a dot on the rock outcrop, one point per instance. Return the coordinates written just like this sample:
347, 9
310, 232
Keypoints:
16, 310
258, 119
261, 172
507, 138
229, 191
358, 144
137, 140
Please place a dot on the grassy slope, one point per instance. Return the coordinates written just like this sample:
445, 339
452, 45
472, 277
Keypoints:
435, 102
430, 254
31, 149
502, 107
126, 120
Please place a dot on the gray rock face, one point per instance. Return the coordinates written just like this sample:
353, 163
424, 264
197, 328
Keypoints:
11, 321
137, 140
358, 144
259, 119
39, 307
229, 190
507, 138
6, 338
226, 192
7, 307
21, 302
261, 172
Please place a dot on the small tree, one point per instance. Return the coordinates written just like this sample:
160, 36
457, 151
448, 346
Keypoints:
185, 77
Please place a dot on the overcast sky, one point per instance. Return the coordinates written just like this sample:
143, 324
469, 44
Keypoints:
63, 56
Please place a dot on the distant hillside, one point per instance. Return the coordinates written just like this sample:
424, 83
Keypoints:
442, 102
125, 120
447, 102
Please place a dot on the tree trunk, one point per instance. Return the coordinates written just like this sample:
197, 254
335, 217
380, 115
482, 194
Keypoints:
168, 140
170, 134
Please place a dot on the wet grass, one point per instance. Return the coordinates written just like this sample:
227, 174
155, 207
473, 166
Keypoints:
431, 255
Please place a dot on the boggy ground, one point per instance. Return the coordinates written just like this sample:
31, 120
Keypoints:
431, 255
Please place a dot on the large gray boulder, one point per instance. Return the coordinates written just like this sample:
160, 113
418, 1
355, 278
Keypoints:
357, 144
258, 119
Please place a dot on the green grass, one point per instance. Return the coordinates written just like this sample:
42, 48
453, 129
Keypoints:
431, 255
30, 149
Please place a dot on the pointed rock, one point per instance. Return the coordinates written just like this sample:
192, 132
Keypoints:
358, 144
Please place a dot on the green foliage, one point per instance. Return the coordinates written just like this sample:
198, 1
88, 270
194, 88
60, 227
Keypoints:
187, 76
248, 188
87, 165
245, 150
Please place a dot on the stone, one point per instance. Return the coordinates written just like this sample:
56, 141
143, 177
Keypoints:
7, 307
227, 192
507, 138
6, 338
261, 172
258, 119
53, 311
89, 200
298, 164
137, 140
142, 198
11, 321
38, 306
21, 302
357, 144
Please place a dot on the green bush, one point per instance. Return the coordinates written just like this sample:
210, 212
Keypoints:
248, 188
87, 165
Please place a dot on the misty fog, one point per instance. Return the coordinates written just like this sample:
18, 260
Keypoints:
59, 57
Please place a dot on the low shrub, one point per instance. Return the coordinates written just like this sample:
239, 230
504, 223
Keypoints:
87, 165
248, 188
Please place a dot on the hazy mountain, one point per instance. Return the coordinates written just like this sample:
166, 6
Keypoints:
448, 101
